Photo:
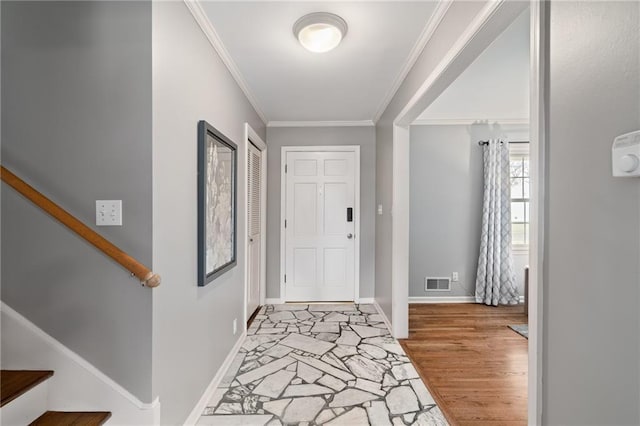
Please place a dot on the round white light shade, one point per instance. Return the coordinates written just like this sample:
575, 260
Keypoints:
320, 31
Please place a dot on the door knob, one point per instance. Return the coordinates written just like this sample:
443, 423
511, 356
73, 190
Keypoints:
349, 236
250, 240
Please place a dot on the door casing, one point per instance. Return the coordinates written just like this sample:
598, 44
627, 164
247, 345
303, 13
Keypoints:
283, 209
445, 72
250, 136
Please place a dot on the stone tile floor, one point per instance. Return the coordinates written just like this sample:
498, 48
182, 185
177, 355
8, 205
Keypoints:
321, 364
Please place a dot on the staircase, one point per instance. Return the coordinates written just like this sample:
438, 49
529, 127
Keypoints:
24, 395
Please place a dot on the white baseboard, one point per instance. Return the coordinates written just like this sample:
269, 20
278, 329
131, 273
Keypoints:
76, 385
213, 385
384, 316
277, 301
447, 299
443, 299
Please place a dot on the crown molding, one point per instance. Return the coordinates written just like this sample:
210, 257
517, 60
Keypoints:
428, 31
512, 122
206, 26
354, 123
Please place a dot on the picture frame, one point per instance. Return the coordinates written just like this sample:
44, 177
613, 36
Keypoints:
217, 203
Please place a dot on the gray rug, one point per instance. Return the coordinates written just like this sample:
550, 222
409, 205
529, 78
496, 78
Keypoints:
521, 329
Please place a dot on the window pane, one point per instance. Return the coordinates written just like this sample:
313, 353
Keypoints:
526, 212
518, 233
525, 166
517, 188
518, 212
526, 233
516, 166
525, 190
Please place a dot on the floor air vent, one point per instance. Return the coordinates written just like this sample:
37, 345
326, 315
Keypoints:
437, 284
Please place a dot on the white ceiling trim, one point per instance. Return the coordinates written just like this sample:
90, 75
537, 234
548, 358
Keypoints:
469, 121
356, 123
207, 28
428, 31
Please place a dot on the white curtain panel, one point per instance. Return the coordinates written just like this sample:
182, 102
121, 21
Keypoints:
495, 279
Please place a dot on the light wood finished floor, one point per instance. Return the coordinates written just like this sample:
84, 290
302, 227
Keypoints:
473, 364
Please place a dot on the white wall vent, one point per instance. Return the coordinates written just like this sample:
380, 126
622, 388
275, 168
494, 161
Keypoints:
437, 284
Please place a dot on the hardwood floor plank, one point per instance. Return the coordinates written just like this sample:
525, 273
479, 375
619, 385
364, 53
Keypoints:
473, 364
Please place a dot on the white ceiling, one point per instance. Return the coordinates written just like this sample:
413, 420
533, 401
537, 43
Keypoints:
494, 86
350, 83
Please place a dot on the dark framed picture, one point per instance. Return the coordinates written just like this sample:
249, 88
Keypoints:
217, 180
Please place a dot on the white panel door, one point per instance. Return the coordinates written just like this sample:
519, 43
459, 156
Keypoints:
319, 238
254, 224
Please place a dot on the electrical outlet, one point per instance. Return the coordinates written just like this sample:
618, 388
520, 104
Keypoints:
235, 326
454, 277
109, 212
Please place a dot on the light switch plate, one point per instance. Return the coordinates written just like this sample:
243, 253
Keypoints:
109, 212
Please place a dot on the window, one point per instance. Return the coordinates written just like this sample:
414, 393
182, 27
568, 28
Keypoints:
519, 163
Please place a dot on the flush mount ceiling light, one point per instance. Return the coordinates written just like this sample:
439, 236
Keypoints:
320, 31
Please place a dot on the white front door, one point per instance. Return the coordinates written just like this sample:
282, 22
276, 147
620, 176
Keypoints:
320, 230
254, 231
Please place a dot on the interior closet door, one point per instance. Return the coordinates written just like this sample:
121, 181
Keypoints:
254, 231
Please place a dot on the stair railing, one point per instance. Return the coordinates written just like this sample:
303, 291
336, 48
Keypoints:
145, 275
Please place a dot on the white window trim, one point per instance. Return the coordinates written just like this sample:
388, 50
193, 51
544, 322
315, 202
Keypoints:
520, 149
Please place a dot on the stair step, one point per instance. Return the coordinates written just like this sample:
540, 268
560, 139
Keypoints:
16, 382
72, 418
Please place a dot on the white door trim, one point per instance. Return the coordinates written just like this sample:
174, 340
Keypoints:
283, 210
478, 35
250, 136
537, 148
400, 233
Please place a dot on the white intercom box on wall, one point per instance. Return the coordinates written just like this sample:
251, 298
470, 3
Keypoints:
625, 154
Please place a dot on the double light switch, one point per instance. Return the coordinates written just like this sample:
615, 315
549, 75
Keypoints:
109, 212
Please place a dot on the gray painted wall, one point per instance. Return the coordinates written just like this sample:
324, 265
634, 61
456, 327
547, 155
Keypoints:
192, 327
446, 209
592, 276
76, 105
486, 90
454, 23
277, 137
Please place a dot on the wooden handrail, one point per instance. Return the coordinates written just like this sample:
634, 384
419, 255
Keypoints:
146, 276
